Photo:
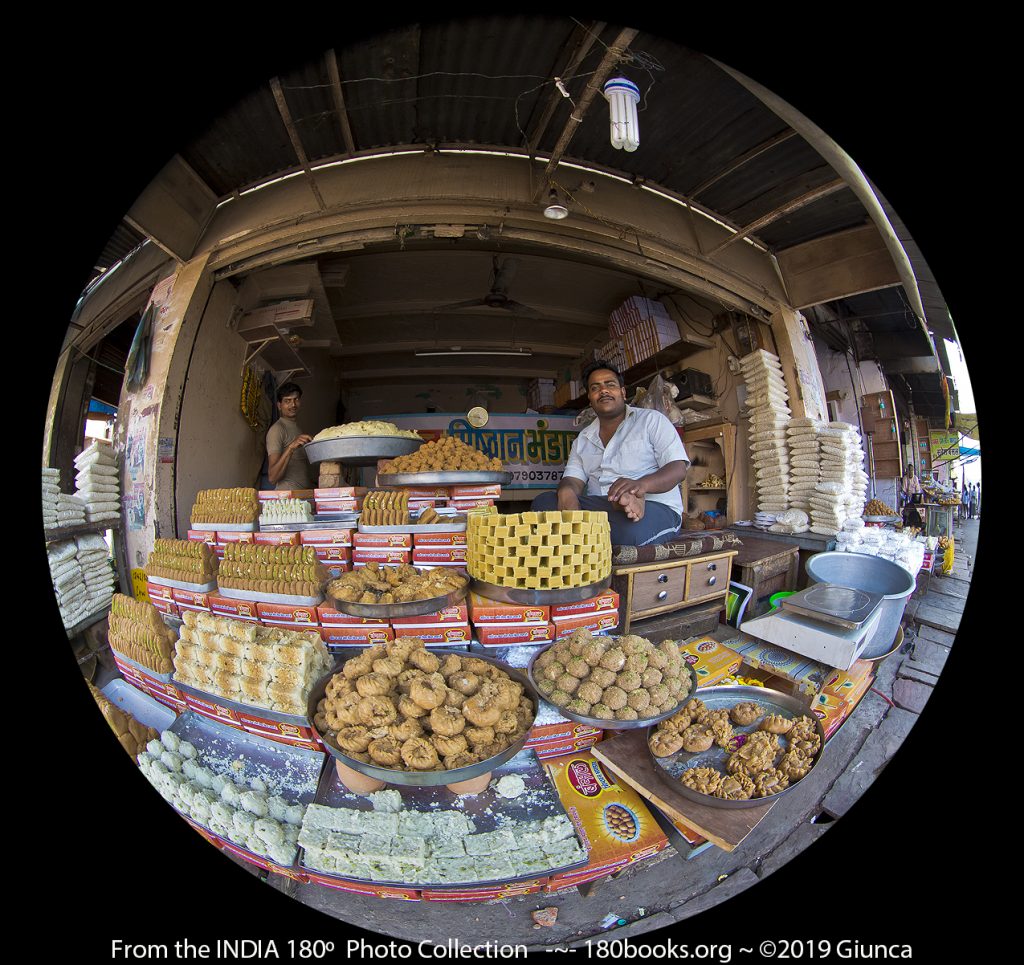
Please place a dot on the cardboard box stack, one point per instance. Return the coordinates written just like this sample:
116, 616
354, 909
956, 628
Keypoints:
338, 499
97, 483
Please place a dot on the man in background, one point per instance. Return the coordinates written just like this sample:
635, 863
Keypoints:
287, 465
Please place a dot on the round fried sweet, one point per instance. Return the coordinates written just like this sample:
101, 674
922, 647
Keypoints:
482, 710
424, 660
657, 660
447, 721
702, 779
333, 688
453, 698
803, 729
745, 713
639, 700
734, 787
427, 693
406, 677
613, 659
320, 723
770, 782
697, 738
660, 696
358, 666
568, 683
451, 664
390, 666
810, 746
334, 720
614, 697
602, 677
637, 662
696, 708
525, 714
377, 711
347, 708
509, 692
409, 727
454, 761
795, 764
479, 735
679, 721
776, 724
632, 644
628, 680
589, 691
552, 671
449, 746
626, 713
664, 743
493, 749
547, 687
717, 721
420, 754
374, 684
354, 738
506, 723
475, 665
408, 707
387, 752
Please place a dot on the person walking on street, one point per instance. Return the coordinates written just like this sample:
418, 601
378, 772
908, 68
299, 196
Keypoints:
973, 513
965, 501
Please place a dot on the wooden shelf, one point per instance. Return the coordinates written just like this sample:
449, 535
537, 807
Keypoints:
67, 532
697, 402
88, 621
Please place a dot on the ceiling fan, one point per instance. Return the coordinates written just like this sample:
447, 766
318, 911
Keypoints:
503, 272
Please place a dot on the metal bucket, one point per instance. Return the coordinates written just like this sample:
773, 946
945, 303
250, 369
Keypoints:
873, 575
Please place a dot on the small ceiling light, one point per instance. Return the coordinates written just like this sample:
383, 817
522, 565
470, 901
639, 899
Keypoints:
623, 96
555, 210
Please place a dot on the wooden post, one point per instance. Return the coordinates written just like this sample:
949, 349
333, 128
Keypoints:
799, 365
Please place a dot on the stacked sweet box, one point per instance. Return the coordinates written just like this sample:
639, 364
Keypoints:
333, 548
450, 625
501, 624
338, 499
464, 498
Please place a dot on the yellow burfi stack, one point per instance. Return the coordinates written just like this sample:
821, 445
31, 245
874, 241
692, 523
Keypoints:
540, 551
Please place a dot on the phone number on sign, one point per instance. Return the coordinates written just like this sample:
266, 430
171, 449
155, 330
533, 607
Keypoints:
526, 476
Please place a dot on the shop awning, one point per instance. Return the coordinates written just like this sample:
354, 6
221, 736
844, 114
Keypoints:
967, 424
969, 451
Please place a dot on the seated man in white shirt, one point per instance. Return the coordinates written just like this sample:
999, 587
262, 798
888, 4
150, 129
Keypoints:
628, 463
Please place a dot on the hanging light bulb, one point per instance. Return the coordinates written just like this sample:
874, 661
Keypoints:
623, 96
554, 208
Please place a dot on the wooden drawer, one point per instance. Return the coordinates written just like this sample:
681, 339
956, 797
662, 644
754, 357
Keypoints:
658, 588
707, 576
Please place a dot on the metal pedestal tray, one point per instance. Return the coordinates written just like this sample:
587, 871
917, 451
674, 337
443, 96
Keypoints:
523, 597
718, 698
360, 450
385, 611
424, 778
224, 527
600, 722
252, 710
180, 585
443, 478
255, 596
459, 526
881, 519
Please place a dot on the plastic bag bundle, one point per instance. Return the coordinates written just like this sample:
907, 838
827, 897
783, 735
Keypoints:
768, 405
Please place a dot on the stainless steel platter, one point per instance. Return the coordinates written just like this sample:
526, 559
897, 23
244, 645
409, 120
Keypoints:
718, 698
145, 709
384, 611
296, 720
486, 810
881, 519
459, 526
255, 596
179, 585
425, 778
443, 479
515, 595
360, 450
600, 722
223, 527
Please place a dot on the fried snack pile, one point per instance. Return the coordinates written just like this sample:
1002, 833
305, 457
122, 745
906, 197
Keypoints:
131, 734
385, 508
292, 570
401, 706
446, 454
135, 629
376, 584
371, 427
276, 511
264, 666
183, 560
225, 506
612, 678
877, 508
430, 517
540, 551
759, 764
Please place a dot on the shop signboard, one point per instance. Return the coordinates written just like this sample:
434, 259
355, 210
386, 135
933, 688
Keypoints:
945, 446
533, 448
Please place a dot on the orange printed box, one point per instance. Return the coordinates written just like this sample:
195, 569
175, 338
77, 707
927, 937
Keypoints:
339, 492
594, 622
166, 606
562, 731
338, 505
287, 615
208, 707
385, 540
202, 536
266, 495
436, 633
420, 492
290, 734
507, 636
438, 539
377, 555
158, 592
491, 490
545, 752
482, 610
710, 661
356, 636
333, 554
842, 683
331, 617
830, 710
238, 609
362, 888
277, 539
460, 504
326, 537
336, 567
458, 613
495, 893
439, 555
426, 502
611, 819
191, 600
596, 604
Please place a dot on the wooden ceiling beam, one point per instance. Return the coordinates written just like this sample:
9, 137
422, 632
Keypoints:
293, 134
581, 40
339, 101
766, 219
612, 57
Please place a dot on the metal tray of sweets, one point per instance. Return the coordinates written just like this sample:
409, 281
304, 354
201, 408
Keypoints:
488, 811
224, 527
149, 671
424, 778
385, 611
718, 698
601, 722
147, 710
360, 450
881, 519
524, 597
253, 710
255, 596
180, 585
317, 522
459, 526
443, 478
291, 772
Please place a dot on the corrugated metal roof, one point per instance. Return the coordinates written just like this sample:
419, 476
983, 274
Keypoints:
307, 92
124, 239
835, 212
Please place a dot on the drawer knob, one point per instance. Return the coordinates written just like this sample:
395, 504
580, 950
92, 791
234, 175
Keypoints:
712, 580
663, 594
712, 566
663, 578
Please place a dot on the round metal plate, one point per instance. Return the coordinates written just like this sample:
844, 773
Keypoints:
603, 724
377, 611
717, 698
360, 450
425, 778
881, 519
514, 595
442, 478
877, 651
845, 599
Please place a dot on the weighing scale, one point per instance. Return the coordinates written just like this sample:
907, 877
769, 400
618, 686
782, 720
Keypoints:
826, 622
